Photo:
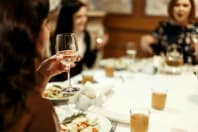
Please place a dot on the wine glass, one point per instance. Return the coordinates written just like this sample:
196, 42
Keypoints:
66, 46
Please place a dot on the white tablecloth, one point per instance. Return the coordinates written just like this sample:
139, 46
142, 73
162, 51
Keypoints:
134, 90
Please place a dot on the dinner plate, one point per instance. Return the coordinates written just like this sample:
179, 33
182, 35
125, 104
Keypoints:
61, 96
103, 124
56, 100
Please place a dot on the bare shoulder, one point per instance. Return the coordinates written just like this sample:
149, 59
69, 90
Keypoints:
36, 103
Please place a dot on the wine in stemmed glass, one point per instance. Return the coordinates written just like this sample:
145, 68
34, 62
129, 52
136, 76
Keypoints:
66, 46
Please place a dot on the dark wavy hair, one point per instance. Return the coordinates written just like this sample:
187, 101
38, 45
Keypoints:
20, 26
171, 5
65, 18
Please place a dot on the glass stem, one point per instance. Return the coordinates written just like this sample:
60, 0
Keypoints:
68, 75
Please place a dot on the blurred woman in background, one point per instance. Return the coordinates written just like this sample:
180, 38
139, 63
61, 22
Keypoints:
178, 30
23, 72
73, 18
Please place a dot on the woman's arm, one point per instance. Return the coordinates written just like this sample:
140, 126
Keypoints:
146, 42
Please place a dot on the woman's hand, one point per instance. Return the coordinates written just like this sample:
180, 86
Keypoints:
146, 42
101, 42
50, 67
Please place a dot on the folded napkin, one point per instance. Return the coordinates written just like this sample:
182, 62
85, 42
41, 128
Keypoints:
92, 95
122, 118
89, 90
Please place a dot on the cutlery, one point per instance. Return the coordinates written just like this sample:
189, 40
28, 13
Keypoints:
114, 126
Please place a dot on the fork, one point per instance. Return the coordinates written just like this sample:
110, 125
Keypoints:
114, 126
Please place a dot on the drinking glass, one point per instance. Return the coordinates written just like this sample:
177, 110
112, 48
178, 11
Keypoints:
139, 119
131, 50
159, 97
174, 58
66, 46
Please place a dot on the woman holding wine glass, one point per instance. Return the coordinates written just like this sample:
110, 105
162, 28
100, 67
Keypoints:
73, 19
24, 71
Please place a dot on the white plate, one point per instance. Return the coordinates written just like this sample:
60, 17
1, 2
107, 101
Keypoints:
104, 124
57, 100
62, 99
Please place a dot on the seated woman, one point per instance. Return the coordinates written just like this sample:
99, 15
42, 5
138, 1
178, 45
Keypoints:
73, 18
178, 30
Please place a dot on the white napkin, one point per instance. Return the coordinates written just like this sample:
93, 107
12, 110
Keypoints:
122, 118
63, 111
87, 96
106, 89
89, 90
92, 95
84, 102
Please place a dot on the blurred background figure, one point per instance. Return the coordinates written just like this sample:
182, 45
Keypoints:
179, 30
73, 17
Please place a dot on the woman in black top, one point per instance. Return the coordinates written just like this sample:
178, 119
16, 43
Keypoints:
73, 18
177, 30
168, 33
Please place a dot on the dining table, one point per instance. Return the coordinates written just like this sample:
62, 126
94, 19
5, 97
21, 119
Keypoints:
129, 89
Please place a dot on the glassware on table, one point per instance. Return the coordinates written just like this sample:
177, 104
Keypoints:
159, 96
66, 46
130, 55
131, 50
109, 70
87, 76
139, 119
174, 59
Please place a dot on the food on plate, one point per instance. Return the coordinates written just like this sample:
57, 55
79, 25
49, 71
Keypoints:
80, 122
56, 92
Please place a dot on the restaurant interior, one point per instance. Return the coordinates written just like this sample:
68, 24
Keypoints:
115, 94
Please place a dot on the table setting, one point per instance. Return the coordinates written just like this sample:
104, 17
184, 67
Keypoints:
112, 97
73, 119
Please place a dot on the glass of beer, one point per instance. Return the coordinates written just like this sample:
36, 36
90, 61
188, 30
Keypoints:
159, 96
139, 119
87, 77
174, 58
109, 70
131, 50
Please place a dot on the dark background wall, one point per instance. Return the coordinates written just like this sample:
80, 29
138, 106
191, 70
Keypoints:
123, 28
